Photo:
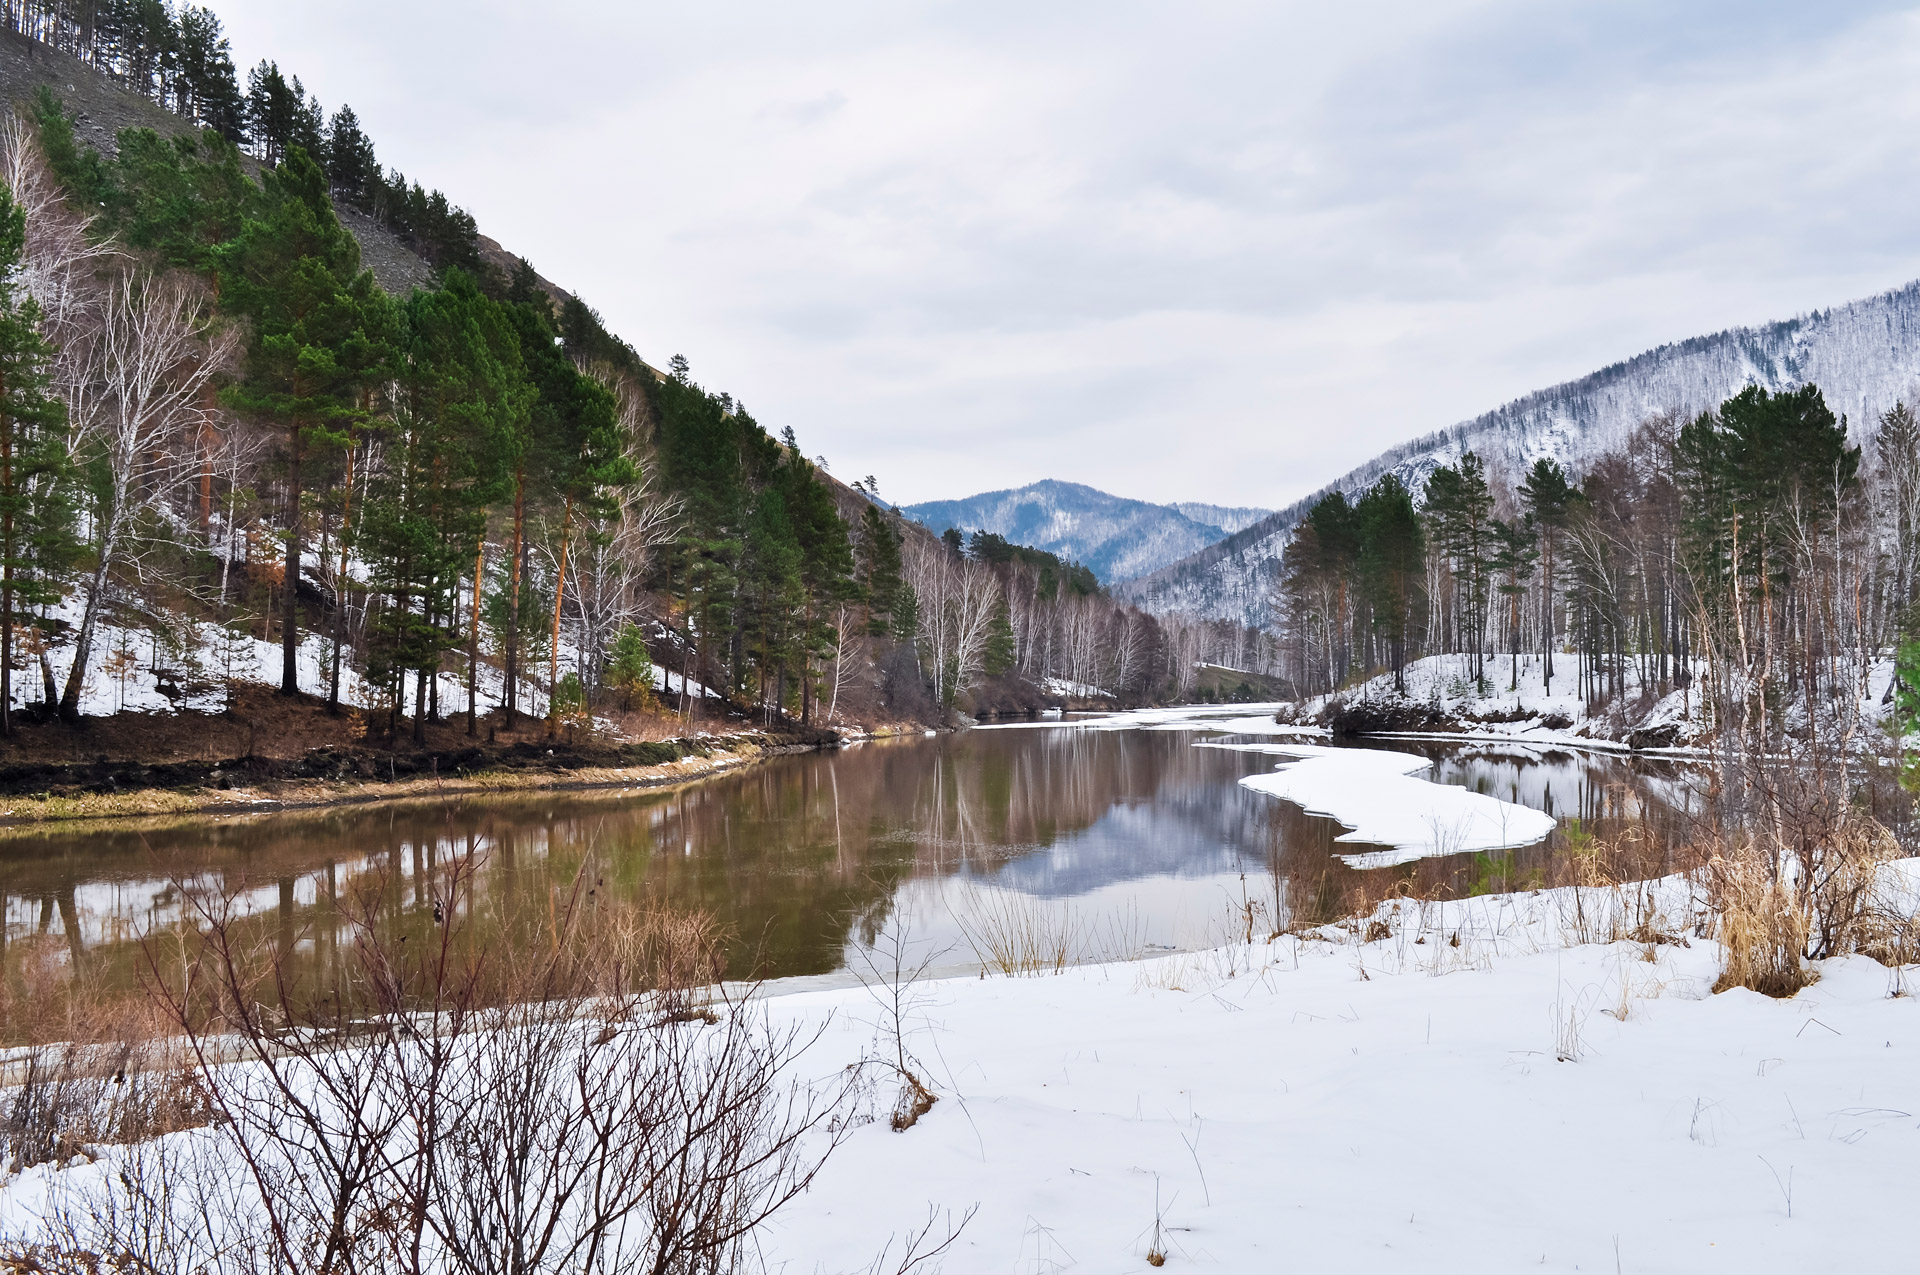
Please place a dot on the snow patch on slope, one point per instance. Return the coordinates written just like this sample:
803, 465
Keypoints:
1863, 355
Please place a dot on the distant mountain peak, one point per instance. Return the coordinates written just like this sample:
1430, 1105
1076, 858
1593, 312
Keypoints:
1113, 536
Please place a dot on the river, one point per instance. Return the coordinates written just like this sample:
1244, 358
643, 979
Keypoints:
1115, 841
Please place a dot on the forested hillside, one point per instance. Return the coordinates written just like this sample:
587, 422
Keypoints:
1746, 573
276, 416
1864, 356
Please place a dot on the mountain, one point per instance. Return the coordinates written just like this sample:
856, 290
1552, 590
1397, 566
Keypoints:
1228, 518
1111, 535
1864, 356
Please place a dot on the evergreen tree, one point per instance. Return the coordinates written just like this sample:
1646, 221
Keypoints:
1320, 563
36, 508
81, 171
320, 338
1549, 499
274, 113
179, 198
772, 598
1459, 509
1760, 472
352, 170
879, 579
208, 91
459, 416
1000, 651
826, 563
629, 666
1392, 550
1516, 545
581, 452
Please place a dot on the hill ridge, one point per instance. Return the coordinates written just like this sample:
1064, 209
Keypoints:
1863, 353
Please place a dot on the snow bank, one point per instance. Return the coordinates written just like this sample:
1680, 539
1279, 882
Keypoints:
1467, 1090
1392, 1106
1374, 794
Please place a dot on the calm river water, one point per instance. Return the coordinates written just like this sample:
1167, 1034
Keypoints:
1135, 839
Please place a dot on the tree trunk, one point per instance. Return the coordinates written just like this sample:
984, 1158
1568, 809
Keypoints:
90, 617
473, 641
6, 582
1546, 612
559, 600
420, 706
290, 583
513, 592
340, 590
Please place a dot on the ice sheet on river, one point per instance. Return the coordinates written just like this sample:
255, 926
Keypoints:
1377, 795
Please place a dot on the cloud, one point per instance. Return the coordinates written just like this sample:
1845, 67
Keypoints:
1213, 251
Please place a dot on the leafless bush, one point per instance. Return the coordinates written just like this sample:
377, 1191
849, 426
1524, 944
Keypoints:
892, 973
444, 1106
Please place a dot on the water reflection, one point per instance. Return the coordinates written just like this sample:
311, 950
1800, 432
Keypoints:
802, 856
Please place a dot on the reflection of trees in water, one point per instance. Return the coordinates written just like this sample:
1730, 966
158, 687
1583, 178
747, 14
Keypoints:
793, 856
1640, 812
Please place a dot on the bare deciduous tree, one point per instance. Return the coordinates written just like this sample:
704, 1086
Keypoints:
150, 357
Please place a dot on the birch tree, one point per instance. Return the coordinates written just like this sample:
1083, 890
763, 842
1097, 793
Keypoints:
151, 358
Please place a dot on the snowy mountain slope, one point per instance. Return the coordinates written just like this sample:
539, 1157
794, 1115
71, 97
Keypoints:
1113, 536
1864, 356
1228, 518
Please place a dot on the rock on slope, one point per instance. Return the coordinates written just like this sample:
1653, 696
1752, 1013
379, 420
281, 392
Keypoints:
1863, 355
1113, 536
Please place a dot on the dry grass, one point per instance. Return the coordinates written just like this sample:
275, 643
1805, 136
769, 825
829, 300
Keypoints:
1018, 933
1761, 926
91, 1067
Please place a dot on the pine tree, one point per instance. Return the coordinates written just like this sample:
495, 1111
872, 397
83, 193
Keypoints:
1459, 507
1549, 500
352, 169
1000, 644
179, 197
36, 509
1392, 550
276, 114
582, 452
208, 92
1515, 548
321, 335
826, 563
629, 666
879, 568
458, 421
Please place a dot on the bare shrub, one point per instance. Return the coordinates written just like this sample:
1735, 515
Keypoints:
449, 1105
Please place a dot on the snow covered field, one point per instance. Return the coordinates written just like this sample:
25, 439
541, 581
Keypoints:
1401, 1105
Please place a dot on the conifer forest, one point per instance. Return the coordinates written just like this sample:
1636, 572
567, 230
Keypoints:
471, 503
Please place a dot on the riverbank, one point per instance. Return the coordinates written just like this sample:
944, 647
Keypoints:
292, 757
1461, 1087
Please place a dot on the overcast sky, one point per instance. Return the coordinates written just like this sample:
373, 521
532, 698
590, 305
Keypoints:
1179, 251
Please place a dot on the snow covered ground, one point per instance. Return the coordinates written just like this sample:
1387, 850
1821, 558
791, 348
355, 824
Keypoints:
1541, 710
1398, 1105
